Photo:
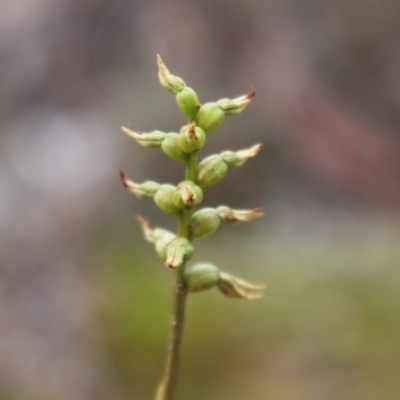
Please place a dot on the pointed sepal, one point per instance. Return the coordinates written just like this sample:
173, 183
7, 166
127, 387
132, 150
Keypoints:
237, 105
232, 286
145, 190
238, 158
231, 216
168, 81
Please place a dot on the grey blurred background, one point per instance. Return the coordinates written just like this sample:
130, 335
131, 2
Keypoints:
84, 302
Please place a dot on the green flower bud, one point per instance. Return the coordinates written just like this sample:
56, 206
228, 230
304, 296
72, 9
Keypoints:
211, 170
191, 138
160, 237
152, 139
164, 198
188, 102
232, 286
210, 117
230, 216
187, 194
238, 158
171, 148
204, 222
168, 81
146, 190
236, 106
201, 277
179, 250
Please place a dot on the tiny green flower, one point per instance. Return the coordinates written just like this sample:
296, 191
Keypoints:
211, 170
201, 277
188, 102
204, 222
214, 168
210, 117
191, 138
171, 148
179, 250
187, 194
164, 198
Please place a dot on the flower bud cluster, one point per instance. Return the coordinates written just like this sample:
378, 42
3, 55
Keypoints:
180, 200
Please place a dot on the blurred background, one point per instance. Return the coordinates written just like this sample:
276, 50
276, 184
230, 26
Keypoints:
84, 301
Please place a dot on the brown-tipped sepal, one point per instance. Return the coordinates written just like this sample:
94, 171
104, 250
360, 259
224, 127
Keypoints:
171, 148
209, 117
188, 102
191, 138
238, 158
231, 216
164, 198
179, 250
237, 105
149, 140
211, 170
232, 286
187, 194
146, 190
168, 81
204, 222
201, 277
160, 237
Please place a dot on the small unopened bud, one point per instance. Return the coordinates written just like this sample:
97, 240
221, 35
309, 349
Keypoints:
171, 148
152, 139
160, 237
188, 102
231, 286
204, 222
168, 81
230, 216
179, 250
164, 198
201, 277
238, 158
191, 138
146, 190
187, 194
211, 170
210, 117
237, 105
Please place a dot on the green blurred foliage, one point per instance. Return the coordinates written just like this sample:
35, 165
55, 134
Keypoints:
325, 330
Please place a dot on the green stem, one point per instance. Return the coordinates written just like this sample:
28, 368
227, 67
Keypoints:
168, 385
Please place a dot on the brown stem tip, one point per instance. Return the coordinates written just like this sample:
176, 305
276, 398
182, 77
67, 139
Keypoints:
251, 93
123, 178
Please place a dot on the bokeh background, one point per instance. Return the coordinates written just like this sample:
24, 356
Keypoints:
84, 301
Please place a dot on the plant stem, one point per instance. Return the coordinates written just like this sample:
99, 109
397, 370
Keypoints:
168, 385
